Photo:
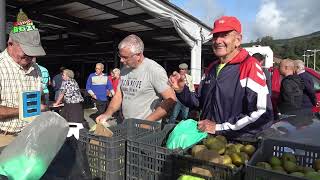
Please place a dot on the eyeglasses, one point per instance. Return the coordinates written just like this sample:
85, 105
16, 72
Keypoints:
126, 57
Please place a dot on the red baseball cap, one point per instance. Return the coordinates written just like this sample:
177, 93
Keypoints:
226, 23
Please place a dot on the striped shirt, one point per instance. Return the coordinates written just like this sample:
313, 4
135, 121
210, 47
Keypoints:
14, 80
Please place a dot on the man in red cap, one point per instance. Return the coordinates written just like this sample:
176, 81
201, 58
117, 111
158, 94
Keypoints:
233, 94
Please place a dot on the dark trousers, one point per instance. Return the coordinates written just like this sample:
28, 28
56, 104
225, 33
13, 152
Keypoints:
73, 112
101, 106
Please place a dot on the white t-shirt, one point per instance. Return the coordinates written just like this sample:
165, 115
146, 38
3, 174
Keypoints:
141, 88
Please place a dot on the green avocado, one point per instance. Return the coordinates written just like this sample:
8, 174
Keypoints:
274, 161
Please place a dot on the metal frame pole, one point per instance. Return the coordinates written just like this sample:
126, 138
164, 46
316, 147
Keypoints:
2, 25
314, 60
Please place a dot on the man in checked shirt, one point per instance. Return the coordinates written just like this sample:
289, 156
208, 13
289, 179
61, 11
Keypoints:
18, 73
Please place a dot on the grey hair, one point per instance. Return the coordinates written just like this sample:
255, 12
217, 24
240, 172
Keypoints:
69, 73
116, 71
133, 42
299, 65
100, 64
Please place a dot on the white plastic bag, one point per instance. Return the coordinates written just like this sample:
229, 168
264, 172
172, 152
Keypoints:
30, 154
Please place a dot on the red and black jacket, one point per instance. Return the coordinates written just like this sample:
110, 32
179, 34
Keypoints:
237, 99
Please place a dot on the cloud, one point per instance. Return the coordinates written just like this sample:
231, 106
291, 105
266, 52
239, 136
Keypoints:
279, 19
206, 11
286, 19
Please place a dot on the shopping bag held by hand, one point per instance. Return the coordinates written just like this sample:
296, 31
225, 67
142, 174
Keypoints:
185, 134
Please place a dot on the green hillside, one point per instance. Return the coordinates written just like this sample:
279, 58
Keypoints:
292, 48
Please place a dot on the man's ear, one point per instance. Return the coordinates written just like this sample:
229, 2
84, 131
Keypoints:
238, 40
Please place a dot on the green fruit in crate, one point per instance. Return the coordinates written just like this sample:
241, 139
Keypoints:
316, 164
264, 165
208, 155
231, 149
297, 174
288, 157
226, 159
196, 149
229, 144
300, 169
215, 145
232, 166
244, 156
222, 139
274, 161
236, 159
188, 177
238, 147
289, 166
312, 175
249, 149
201, 171
308, 169
278, 169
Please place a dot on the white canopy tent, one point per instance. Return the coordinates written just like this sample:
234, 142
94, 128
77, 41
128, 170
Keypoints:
192, 32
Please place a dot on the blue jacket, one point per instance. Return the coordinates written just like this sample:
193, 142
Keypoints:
99, 86
237, 99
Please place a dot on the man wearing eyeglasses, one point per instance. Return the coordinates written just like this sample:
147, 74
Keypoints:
99, 86
143, 91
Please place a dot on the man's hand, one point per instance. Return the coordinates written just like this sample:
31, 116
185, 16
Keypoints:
176, 81
94, 96
56, 104
103, 118
145, 126
43, 107
207, 126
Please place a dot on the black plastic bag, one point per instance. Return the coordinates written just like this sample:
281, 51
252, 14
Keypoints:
71, 163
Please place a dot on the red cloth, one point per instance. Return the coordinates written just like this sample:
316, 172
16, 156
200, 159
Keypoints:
114, 83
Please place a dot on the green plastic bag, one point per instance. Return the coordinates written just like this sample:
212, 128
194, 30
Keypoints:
188, 177
185, 134
33, 165
29, 155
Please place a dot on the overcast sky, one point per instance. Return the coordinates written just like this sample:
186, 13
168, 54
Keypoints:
277, 18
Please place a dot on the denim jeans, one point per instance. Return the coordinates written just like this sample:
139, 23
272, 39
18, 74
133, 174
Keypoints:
176, 110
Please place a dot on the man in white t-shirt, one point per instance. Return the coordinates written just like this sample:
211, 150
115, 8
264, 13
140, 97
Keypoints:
143, 91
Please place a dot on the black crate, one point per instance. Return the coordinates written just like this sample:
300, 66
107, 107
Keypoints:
184, 163
148, 158
305, 155
107, 157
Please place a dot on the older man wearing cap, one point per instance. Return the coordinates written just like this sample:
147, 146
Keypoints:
233, 94
183, 71
18, 73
